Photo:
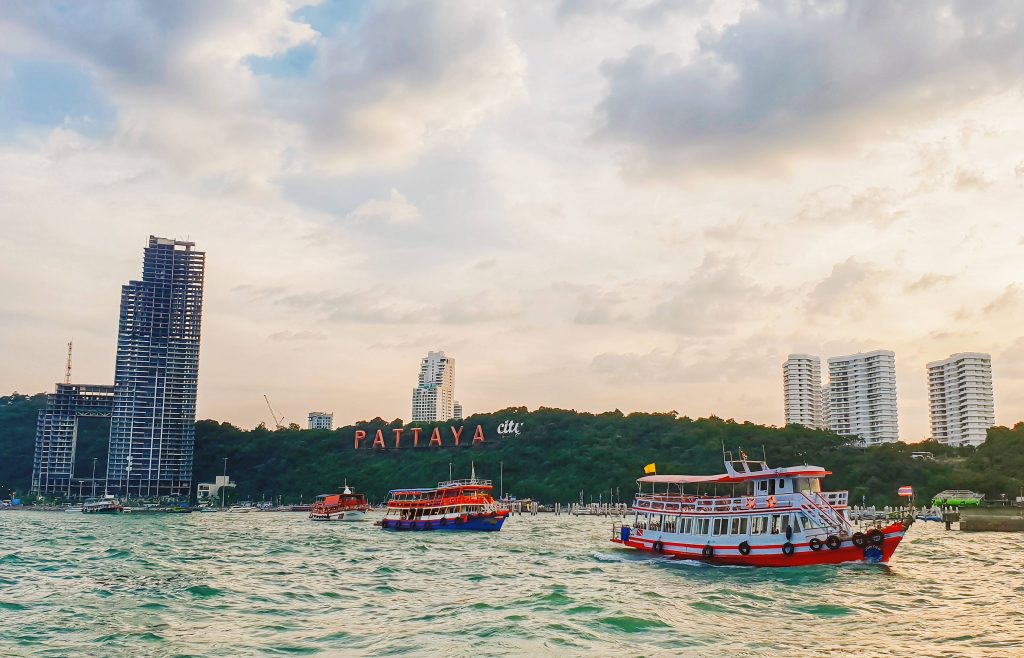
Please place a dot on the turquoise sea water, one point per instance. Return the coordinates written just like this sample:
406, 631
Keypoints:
276, 583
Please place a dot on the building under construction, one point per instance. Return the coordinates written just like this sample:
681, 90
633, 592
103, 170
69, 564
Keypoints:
152, 404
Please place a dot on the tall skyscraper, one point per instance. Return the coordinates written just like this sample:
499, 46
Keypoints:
801, 381
152, 428
321, 420
960, 398
862, 397
457, 411
53, 464
433, 399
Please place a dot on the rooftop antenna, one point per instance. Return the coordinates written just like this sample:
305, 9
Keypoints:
67, 366
764, 454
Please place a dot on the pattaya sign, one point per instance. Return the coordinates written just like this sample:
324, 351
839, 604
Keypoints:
414, 437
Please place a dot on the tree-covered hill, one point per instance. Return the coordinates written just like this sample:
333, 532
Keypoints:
556, 454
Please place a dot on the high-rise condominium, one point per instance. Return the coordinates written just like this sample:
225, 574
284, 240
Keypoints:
801, 380
321, 420
862, 397
152, 428
960, 398
433, 399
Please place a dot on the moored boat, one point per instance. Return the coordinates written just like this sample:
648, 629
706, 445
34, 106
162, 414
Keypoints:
771, 517
106, 505
346, 506
463, 505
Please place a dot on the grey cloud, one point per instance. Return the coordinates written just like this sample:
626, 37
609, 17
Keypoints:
791, 76
645, 12
704, 364
874, 205
1010, 300
850, 283
928, 282
966, 179
712, 300
302, 335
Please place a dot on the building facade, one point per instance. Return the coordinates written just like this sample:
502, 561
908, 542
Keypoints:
433, 399
862, 397
321, 420
53, 462
960, 398
457, 413
152, 429
801, 382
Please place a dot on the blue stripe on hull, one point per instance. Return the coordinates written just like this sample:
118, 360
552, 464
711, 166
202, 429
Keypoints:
480, 524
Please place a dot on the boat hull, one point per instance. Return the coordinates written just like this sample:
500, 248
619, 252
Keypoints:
471, 524
341, 515
770, 555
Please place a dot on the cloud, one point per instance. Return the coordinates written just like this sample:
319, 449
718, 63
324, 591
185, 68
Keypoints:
713, 300
928, 281
395, 209
298, 336
850, 285
788, 77
181, 78
966, 179
1010, 301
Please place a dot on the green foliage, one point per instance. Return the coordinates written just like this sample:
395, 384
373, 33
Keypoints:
557, 454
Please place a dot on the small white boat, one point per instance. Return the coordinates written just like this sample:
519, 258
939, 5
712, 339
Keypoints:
74, 509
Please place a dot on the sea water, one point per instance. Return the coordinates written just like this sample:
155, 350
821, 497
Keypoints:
276, 583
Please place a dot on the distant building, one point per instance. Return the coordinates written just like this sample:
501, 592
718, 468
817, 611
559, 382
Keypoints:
457, 412
862, 397
57, 435
801, 381
433, 399
826, 416
321, 420
211, 490
960, 398
153, 425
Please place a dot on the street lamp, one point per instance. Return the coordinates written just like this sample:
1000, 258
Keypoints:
501, 480
223, 489
94, 477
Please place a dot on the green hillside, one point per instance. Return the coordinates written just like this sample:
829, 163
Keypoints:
557, 454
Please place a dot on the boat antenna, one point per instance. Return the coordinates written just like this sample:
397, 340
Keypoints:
764, 454
472, 471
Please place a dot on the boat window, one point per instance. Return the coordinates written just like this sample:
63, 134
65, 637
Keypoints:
679, 524
762, 486
758, 525
686, 524
702, 526
782, 484
806, 522
721, 527
784, 522
796, 523
776, 525
771, 486
739, 526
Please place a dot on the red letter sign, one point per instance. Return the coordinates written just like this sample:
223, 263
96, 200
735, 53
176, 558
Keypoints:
360, 436
378, 439
457, 434
435, 438
416, 437
398, 438
478, 435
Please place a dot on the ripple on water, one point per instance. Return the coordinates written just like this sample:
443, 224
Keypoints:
277, 584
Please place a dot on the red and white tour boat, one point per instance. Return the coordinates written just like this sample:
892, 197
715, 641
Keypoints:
346, 506
771, 517
463, 505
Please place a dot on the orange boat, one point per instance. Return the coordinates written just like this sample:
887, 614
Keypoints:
346, 506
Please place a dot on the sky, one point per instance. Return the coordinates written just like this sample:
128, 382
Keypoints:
589, 204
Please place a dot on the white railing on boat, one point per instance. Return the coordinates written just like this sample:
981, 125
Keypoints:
682, 503
464, 483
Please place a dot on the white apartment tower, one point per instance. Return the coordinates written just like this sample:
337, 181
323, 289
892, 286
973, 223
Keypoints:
321, 420
433, 399
801, 381
457, 412
862, 397
960, 398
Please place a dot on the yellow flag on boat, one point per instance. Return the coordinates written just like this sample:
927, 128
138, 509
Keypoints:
649, 469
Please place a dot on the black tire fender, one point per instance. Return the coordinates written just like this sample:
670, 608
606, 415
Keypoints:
744, 548
708, 552
859, 539
787, 548
833, 542
876, 537
814, 544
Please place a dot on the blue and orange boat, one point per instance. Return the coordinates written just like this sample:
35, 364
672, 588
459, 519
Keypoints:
463, 505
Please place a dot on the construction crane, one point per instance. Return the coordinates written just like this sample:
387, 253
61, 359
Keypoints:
67, 367
278, 422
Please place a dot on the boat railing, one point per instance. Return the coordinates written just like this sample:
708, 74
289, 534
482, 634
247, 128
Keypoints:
473, 482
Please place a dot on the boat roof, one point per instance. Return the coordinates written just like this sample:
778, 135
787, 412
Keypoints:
734, 476
422, 490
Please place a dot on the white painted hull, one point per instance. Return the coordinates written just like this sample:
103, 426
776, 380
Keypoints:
344, 515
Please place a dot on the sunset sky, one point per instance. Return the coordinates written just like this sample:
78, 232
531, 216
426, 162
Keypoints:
590, 204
